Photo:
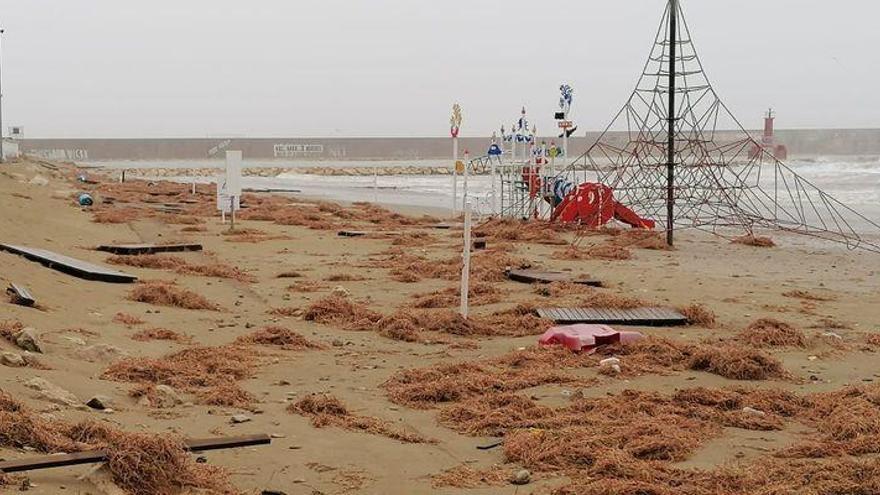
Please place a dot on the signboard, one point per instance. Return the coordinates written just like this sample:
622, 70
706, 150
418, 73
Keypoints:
233, 173
224, 199
565, 124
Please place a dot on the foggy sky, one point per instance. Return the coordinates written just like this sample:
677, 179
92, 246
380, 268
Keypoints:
196, 68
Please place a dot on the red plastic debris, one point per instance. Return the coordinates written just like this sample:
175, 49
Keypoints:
585, 337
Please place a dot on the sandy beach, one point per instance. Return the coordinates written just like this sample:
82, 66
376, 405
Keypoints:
348, 352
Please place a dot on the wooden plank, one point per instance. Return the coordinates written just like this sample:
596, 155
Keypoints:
68, 265
644, 316
134, 249
93, 456
546, 277
271, 190
20, 295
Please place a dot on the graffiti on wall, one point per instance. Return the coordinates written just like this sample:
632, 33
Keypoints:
292, 150
60, 154
220, 147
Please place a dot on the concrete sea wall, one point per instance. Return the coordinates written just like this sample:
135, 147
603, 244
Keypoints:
829, 142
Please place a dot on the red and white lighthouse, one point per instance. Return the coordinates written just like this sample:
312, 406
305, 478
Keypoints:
768, 141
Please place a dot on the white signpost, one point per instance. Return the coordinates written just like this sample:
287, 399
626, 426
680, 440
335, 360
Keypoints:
464, 192
466, 262
229, 187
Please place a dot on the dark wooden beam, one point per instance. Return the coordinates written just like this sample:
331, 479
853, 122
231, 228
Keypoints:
93, 456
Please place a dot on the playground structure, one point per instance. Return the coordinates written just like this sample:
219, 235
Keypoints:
527, 179
675, 156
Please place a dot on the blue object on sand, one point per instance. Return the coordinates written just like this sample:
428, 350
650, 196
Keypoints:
85, 199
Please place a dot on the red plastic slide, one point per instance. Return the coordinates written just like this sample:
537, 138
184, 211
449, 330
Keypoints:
594, 205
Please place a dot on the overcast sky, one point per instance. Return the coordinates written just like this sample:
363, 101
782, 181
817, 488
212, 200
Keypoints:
196, 68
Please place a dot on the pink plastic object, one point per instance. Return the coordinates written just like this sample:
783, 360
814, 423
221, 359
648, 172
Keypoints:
586, 337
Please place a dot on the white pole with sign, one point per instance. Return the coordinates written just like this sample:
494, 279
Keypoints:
233, 182
466, 261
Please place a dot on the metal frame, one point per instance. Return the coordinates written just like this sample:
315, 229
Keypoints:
676, 166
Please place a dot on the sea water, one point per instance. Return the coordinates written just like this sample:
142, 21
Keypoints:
853, 181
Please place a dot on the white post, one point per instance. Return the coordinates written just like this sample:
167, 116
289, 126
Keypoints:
466, 261
223, 216
454, 175
494, 195
564, 147
194, 185
464, 188
532, 171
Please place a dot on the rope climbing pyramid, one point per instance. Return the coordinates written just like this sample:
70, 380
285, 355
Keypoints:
677, 155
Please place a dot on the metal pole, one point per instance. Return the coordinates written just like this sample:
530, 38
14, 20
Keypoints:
494, 191
2, 154
670, 157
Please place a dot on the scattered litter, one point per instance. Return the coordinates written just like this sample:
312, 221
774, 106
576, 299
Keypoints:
586, 337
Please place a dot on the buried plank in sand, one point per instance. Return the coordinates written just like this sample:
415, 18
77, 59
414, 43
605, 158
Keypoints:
139, 463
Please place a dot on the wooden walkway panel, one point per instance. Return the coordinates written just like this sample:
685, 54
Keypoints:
133, 249
645, 316
93, 456
68, 265
546, 277
20, 295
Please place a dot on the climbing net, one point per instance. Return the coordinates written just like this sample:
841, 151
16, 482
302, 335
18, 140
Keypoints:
724, 180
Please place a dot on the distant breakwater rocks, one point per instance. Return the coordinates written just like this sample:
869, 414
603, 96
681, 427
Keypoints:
363, 171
